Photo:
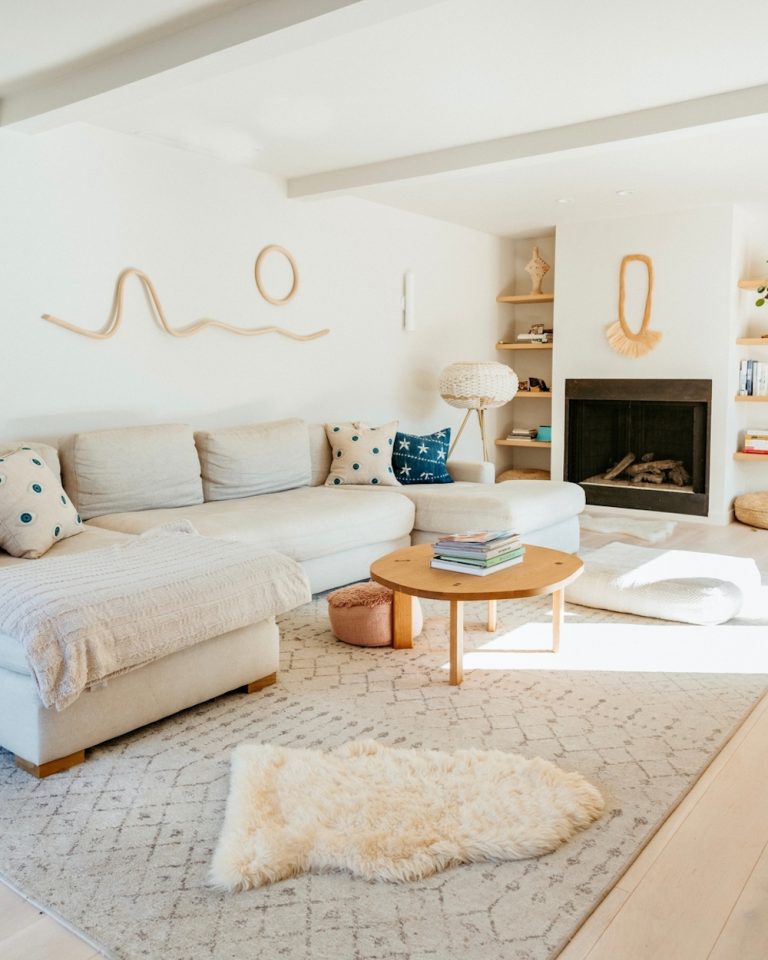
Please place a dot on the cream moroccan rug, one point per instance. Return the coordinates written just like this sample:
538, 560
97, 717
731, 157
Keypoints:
121, 846
650, 531
389, 814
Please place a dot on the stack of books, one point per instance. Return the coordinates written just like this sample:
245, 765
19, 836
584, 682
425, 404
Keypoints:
522, 433
756, 440
535, 337
478, 553
753, 378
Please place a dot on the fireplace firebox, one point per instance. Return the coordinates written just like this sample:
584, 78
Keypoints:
642, 444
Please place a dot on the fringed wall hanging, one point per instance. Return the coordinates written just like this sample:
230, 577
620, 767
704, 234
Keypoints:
116, 315
619, 335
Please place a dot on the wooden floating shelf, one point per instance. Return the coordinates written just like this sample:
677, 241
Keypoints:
523, 443
531, 394
752, 399
523, 346
528, 298
753, 341
740, 455
753, 284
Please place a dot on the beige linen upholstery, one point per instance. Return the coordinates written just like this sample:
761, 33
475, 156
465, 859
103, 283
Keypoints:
91, 538
247, 461
156, 690
133, 468
303, 524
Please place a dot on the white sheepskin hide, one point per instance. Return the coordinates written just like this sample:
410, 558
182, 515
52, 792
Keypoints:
389, 814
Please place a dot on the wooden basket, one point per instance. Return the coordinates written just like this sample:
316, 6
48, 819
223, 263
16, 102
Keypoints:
523, 473
752, 509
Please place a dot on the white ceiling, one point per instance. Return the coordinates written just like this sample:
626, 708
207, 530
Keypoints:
446, 74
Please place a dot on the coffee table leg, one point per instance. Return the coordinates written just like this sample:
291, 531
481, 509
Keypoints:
402, 621
558, 612
457, 642
491, 616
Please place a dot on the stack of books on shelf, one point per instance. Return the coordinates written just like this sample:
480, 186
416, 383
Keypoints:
535, 337
478, 553
756, 440
753, 378
522, 433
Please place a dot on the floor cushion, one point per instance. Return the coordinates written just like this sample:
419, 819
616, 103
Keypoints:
361, 614
680, 585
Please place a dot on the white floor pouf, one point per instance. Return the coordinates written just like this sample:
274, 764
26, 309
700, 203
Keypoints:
681, 585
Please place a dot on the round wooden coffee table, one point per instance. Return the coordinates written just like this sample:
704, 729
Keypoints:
407, 572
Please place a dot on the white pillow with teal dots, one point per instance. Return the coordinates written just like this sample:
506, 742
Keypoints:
361, 455
35, 511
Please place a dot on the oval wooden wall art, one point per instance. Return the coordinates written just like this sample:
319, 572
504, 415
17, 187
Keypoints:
274, 248
619, 334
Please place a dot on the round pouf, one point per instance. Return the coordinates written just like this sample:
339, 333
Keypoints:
362, 615
752, 509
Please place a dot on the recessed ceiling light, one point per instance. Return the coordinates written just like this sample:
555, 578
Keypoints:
623, 193
564, 200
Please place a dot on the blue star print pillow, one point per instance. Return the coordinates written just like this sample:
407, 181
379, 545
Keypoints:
422, 459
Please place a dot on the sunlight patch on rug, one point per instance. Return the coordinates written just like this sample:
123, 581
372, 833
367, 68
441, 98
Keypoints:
383, 813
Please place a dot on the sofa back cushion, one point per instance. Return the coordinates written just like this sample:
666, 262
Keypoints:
247, 461
132, 468
320, 454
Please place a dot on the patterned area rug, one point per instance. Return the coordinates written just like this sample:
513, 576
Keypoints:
120, 847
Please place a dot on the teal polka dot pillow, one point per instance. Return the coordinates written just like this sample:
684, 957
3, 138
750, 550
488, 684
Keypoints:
35, 511
361, 455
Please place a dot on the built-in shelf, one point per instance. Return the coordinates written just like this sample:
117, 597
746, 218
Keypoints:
523, 443
743, 399
740, 455
531, 394
753, 284
753, 341
523, 346
528, 298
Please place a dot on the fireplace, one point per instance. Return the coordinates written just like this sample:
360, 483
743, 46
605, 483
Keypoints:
642, 444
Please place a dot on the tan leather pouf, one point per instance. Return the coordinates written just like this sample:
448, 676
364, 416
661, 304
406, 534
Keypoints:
362, 615
752, 509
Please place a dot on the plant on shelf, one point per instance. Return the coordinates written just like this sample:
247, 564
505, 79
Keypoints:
761, 294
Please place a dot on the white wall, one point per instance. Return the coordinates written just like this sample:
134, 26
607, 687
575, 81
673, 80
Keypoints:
693, 307
81, 204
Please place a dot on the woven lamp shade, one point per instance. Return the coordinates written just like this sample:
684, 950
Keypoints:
477, 385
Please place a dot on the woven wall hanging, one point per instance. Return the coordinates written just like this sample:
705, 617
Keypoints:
619, 334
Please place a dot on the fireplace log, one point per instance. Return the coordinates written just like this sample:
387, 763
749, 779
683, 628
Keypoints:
620, 467
648, 478
646, 457
653, 466
679, 476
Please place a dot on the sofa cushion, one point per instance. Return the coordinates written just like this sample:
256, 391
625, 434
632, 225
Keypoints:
422, 459
35, 511
305, 523
320, 454
361, 454
47, 452
519, 505
260, 458
132, 468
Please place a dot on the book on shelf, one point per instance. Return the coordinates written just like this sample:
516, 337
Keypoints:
755, 440
753, 378
522, 433
535, 337
474, 571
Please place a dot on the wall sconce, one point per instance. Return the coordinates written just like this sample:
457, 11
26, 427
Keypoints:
409, 301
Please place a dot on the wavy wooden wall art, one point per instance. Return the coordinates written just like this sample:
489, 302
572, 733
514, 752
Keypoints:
619, 334
116, 315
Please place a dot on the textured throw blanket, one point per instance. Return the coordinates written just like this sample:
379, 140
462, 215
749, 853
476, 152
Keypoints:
85, 618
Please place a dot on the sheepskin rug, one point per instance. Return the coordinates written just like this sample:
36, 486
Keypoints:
390, 814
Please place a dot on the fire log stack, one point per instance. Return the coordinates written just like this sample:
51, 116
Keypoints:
649, 470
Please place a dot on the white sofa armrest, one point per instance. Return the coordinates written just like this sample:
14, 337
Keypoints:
472, 471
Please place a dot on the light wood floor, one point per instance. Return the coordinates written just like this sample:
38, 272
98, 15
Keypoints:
699, 890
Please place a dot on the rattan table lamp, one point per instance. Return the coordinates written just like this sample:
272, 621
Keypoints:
477, 385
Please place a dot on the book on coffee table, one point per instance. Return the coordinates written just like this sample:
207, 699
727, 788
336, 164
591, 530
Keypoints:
472, 569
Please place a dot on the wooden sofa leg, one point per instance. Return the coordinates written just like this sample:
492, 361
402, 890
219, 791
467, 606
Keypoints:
52, 766
260, 684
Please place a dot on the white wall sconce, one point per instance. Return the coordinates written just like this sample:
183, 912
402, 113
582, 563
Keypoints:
409, 301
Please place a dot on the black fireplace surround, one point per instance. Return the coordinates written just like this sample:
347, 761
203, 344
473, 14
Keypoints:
607, 419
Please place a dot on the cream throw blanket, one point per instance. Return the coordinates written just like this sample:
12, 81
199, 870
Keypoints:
85, 618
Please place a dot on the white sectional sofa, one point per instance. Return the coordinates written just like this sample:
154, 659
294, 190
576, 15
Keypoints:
263, 485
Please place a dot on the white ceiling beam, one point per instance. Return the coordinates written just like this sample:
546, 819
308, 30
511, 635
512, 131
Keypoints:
655, 121
184, 52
